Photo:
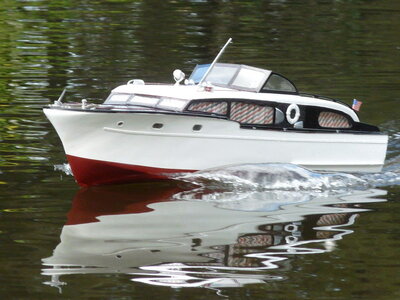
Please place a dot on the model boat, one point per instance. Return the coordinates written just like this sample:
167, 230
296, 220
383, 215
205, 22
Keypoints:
223, 114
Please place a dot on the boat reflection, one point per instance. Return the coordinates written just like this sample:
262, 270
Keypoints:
173, 236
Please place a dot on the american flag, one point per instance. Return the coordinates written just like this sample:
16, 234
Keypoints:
356, 105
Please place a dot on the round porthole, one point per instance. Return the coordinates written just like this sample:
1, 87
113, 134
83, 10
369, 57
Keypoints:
158, 125
197, 127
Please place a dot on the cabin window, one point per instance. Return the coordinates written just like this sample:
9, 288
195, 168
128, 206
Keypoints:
211, 107
332, 120
172, 103
118, 98
144, 100
279, 116
251, 113
221, 74
278, 83
249, 79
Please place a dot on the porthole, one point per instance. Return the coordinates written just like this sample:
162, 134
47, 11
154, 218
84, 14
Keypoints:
158, 125
197, 127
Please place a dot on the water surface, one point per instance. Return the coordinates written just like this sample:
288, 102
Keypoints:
254, 232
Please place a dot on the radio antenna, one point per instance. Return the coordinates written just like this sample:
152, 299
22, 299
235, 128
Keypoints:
215, 60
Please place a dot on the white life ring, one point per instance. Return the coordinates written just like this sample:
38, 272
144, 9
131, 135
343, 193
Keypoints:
292, 107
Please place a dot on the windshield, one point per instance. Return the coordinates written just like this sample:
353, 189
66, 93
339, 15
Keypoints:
199, 72
239, 77
221, 75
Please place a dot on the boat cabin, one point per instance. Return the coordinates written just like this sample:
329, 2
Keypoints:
254, 97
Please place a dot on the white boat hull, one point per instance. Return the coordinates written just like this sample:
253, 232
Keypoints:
108, 147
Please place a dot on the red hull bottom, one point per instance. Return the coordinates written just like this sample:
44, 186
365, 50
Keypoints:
89, 172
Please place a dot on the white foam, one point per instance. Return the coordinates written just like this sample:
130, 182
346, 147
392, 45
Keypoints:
65, 168
262, 177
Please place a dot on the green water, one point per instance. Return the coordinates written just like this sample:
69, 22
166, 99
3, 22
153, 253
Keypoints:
52, 244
